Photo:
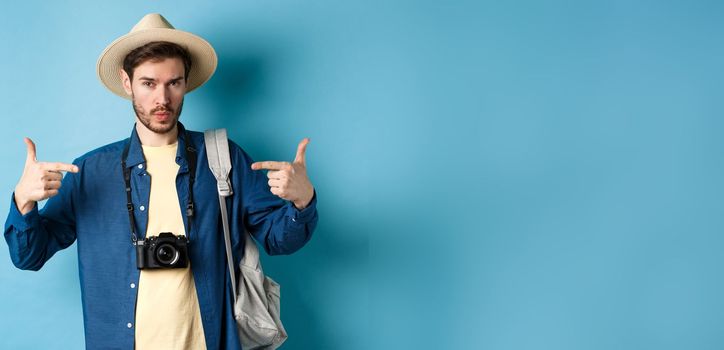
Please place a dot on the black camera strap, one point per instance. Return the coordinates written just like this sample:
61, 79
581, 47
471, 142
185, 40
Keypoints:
190, 158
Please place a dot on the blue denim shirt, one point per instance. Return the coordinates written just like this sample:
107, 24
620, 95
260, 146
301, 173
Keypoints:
91, 208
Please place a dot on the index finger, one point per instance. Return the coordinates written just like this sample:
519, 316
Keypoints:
60, 167
270, 165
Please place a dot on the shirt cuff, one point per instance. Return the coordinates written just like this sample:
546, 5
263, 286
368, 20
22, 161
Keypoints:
305, 214
19, 221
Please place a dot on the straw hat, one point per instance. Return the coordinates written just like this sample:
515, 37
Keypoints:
153, 27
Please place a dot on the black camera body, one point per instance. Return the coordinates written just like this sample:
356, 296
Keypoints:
165, 251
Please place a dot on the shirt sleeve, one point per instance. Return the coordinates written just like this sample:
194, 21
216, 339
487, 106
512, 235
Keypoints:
35, 237
277, 224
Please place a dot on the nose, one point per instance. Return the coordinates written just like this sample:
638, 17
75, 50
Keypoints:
162, 96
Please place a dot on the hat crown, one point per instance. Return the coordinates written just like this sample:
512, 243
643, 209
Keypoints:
152, 21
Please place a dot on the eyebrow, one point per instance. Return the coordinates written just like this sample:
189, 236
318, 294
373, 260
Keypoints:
152, 79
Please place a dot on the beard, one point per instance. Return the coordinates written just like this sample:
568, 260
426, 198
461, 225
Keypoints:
157, 127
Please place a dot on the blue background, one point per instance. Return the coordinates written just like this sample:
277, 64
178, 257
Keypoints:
491, 175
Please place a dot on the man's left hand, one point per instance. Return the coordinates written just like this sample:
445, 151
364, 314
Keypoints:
289, 180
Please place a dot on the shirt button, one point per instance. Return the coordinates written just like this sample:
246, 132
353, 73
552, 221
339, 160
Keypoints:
133, 285
129, 325
140, 166
294, 220
142, 208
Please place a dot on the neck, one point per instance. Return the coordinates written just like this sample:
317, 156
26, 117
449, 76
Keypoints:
153, 139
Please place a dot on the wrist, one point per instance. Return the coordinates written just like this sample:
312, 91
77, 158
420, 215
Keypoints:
24, 205
301, 204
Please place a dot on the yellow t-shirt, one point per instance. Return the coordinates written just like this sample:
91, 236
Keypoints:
167, 307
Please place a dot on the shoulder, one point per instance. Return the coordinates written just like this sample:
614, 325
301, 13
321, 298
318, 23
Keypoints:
103, 153
236, 152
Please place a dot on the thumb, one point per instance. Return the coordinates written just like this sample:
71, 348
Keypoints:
301, 158
31, 150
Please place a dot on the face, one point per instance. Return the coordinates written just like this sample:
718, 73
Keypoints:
157, 91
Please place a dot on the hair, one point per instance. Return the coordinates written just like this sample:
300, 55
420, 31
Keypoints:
156, 51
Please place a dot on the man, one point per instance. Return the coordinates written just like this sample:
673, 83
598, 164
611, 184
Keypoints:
118, 196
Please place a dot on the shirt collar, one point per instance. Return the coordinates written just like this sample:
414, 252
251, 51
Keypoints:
135, 151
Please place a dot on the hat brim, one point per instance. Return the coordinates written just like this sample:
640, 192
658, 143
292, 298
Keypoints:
110, 62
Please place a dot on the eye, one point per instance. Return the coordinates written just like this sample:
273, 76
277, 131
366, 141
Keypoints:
147, 83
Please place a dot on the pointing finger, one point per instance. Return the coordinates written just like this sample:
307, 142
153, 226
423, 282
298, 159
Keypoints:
31, 150
269, 165
61, 167
301, 149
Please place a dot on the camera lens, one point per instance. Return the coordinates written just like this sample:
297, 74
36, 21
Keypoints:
167, 254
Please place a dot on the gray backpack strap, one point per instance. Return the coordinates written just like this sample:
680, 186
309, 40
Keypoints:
256, 304
217, 151
217, 148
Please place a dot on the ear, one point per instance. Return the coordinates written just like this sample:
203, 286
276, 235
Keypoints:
126, 80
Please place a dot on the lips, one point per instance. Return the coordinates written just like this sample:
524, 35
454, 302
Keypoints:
162, 116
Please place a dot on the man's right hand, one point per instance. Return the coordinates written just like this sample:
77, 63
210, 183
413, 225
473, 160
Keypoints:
40, 180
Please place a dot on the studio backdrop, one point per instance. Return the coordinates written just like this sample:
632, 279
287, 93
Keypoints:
490, 175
